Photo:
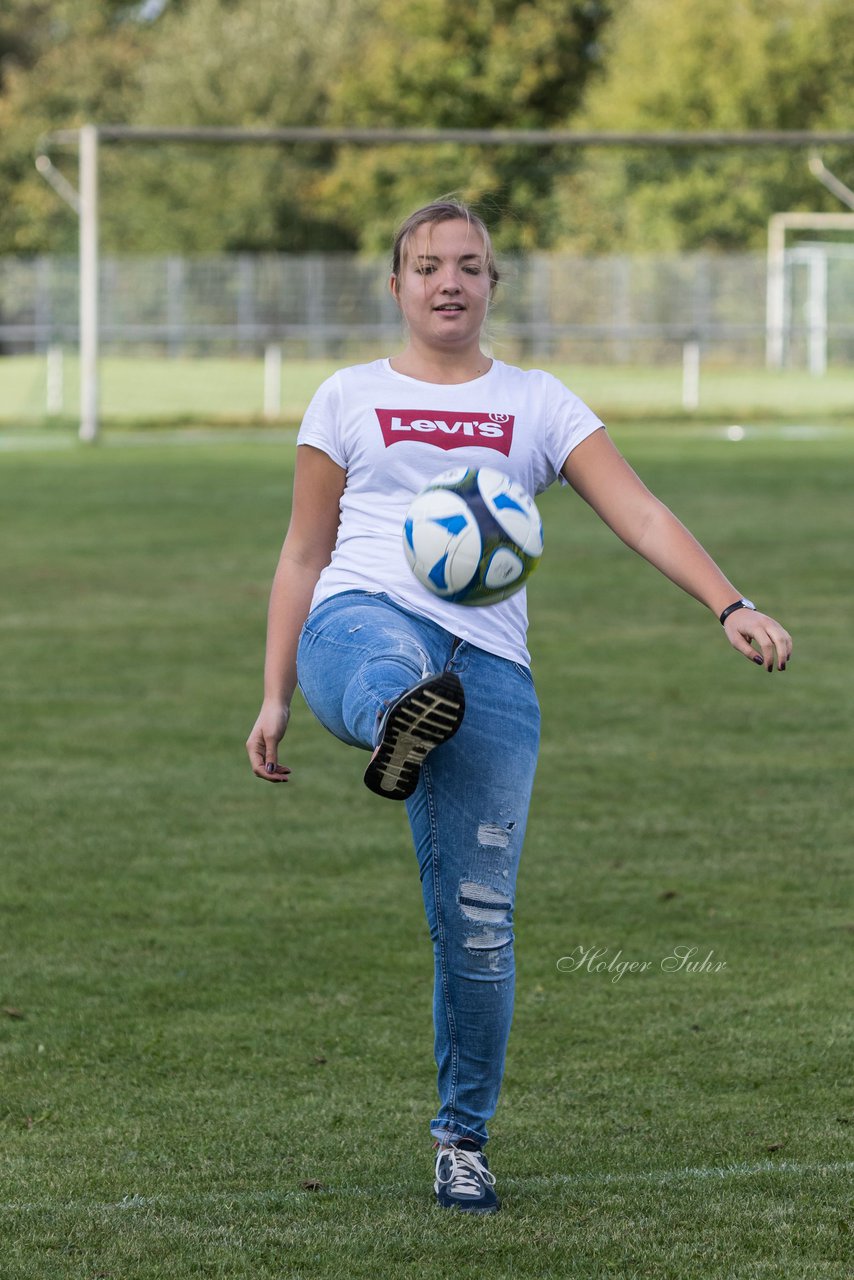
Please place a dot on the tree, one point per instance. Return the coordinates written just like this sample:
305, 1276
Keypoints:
259, 63
256, 63
725, 64
488, 64
65, 63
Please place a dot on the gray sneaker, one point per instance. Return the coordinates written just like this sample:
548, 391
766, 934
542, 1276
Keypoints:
422, 718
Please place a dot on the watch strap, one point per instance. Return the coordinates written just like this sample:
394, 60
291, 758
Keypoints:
739, 604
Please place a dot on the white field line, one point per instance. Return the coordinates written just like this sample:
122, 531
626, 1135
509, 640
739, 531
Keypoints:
180, 436
781, 431
35, 443
41, 442
654, 1177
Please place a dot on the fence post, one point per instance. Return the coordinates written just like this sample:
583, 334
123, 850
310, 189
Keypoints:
691, 375
55, 381
817, 310
272, 381
246, 301
175, 324
89, 278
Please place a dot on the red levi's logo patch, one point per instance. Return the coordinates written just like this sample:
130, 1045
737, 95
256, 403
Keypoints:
447, 430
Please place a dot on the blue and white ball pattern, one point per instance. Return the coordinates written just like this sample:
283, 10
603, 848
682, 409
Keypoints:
473, 536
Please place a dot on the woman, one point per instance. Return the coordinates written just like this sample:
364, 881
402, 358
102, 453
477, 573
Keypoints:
440, 694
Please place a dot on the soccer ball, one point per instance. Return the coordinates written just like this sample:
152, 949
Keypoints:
473, 536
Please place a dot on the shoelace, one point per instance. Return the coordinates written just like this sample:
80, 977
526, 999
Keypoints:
467, 1171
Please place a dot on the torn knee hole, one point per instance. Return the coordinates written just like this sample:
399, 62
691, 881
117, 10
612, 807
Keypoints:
494, 835
489, 940
484, 905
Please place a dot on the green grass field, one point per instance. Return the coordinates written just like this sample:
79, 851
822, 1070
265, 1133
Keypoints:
146, 391
215, 995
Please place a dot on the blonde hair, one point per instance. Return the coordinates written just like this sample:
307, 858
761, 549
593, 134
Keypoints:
442, 211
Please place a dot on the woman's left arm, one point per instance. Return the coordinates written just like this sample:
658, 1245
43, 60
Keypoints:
601, 476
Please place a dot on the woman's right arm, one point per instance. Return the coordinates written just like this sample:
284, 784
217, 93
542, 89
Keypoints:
307, 550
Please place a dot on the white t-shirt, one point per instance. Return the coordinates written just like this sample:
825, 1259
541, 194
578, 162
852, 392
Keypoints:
392, 434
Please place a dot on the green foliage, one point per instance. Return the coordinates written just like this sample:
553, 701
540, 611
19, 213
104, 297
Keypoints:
75, 64
442, 65
264, 62
728, 65
654, 64
258, 64
28, 28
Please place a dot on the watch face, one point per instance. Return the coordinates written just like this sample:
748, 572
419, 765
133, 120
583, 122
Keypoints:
748, 604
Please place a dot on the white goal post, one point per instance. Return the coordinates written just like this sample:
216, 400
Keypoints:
85, 201
775, 311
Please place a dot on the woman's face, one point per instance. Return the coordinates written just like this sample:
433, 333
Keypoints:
444, 287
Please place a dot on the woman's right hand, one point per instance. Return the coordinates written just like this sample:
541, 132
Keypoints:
263, 742
312, 533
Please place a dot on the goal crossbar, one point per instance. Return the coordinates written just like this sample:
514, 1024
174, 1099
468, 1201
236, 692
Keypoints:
473, 137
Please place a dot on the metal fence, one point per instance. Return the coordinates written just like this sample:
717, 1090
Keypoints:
614, 309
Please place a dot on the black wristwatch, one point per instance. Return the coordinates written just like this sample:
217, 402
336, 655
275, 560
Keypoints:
739, 604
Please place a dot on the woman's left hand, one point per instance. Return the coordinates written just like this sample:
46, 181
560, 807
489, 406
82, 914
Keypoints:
748, 630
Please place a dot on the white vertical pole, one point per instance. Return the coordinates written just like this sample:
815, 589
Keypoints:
55, 381
817, 311
272, 381
775, 304
691, 375
88, 282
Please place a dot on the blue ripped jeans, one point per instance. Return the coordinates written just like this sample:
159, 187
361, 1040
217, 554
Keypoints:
357, 652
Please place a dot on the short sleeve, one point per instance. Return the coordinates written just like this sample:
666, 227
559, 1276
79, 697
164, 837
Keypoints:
322, 424
570, 422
